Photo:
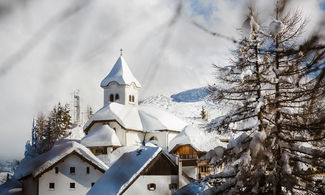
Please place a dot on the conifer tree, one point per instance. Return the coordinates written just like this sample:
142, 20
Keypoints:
275, 104
204, 114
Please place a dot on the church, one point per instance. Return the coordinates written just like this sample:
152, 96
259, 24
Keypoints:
121, 138
122, 121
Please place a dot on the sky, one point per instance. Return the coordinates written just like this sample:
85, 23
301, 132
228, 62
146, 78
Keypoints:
51, 48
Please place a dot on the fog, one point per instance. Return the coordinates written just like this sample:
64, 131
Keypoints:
51, 48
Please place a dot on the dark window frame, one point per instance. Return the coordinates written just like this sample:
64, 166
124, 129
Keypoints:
151, 186
72, 185
88, 170
111, 97
56, 170
51, 186
72, 170
173, 186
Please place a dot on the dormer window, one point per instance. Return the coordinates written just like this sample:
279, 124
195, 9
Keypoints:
111, 98
117, 97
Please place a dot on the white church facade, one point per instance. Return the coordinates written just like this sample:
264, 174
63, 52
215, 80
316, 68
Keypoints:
124, 119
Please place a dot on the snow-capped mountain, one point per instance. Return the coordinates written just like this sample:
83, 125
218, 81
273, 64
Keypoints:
188, 104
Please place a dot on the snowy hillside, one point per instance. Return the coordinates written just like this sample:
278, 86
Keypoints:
7, 167
187, 105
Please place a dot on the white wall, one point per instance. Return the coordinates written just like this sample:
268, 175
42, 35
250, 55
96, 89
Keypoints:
191, 171
120, 132
114, 88
164, 137
162, 185
132, 90
134, 138
62, 180
124, 91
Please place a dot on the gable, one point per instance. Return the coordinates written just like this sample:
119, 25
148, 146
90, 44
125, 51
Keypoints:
161, 165
66, 157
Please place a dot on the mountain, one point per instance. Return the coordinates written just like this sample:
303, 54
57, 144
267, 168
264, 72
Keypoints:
187, 105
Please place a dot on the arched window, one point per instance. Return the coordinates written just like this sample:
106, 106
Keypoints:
132, 98
111, 98
117, 97
151, 187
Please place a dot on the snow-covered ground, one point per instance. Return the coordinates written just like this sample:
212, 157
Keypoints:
187, 105
7, 167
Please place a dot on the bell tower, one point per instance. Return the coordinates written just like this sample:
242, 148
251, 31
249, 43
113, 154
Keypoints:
120, 85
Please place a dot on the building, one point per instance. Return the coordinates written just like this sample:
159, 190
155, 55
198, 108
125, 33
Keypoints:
190, 145
147, 170
115, 135
68, 168
132, 124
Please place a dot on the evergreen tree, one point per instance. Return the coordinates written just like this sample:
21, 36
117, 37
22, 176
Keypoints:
204, 114
273, 102
32, 146
90, 112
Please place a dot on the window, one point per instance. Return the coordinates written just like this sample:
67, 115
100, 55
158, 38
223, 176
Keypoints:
173, 186
51, 186
111, 98
130, 98
133, 98
56, 170
72, 170
117, 97
151, 187
88, 170
92, 184
72, 186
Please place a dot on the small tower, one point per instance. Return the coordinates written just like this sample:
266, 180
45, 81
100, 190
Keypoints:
120, 85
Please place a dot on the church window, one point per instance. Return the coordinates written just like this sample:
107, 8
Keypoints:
111, 98
51, 186
72, 170
72, 186
56, 170
151, 187
88, 170
132, 98
117, 97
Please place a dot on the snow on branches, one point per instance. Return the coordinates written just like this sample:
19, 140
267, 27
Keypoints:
278, 108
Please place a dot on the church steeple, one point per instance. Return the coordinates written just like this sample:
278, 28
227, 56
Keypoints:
120, 85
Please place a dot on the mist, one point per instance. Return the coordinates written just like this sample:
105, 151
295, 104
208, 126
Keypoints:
51, 48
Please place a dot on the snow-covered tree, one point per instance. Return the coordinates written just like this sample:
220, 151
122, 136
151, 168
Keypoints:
90, 112
32, 146
277, 108
54, 128
204, 114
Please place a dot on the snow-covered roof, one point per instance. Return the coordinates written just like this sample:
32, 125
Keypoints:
103, 135
141, 118
198, 138
41, 163
124, 171
195, 188
121, 74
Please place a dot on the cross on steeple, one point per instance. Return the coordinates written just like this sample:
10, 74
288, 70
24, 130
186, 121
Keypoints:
121, 51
